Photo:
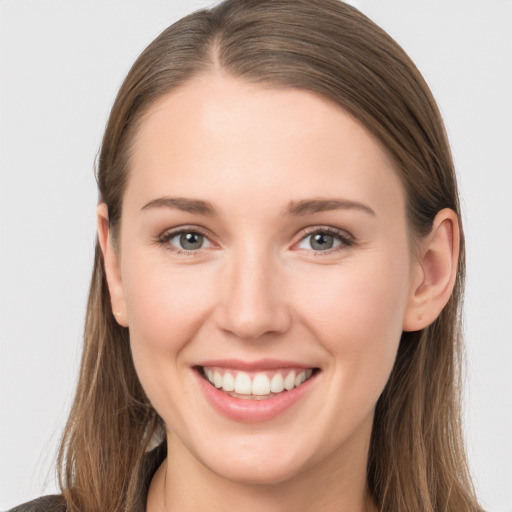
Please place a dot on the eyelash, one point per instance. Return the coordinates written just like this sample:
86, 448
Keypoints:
346, 240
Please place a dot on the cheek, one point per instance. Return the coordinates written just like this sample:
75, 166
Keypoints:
357, 302
165, 311
357, 316
166, 305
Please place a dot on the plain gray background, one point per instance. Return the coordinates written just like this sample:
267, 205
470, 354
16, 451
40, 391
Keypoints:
61, 63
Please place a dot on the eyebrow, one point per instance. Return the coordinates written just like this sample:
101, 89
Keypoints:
294, 208
310, 206
182, 203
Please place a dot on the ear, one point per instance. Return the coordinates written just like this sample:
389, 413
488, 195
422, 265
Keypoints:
112, 266
434, 272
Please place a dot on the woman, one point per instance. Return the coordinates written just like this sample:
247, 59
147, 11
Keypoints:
273, 321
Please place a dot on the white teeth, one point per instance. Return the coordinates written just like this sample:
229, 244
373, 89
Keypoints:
243, 384
260, 385
289, 381
228, 382
301, 377
277, 383
217, 379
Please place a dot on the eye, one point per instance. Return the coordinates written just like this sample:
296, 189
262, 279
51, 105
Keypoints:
185, 240
323, 240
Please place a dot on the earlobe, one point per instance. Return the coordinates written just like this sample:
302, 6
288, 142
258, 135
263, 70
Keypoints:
435, 272
112, 267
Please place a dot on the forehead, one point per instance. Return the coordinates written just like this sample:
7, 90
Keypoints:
222, 136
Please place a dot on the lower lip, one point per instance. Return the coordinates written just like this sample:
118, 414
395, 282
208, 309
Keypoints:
253, 411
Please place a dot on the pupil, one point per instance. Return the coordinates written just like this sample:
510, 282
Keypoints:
322, 242
191, 241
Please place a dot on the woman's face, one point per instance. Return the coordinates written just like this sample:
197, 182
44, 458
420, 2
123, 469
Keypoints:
263, 241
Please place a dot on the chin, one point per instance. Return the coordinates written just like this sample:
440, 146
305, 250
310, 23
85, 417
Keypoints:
269, 472
262, 463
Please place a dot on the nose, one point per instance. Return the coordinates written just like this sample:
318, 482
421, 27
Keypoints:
252, 300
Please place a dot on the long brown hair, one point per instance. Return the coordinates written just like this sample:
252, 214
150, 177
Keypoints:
416, 459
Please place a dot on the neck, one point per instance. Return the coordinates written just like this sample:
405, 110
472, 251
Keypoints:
184, 484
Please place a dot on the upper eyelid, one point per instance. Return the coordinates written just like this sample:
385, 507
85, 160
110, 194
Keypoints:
342, 233
171, 232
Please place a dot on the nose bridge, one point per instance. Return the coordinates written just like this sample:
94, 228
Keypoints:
252, 302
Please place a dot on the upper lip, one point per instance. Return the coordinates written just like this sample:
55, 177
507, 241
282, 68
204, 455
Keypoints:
248, 366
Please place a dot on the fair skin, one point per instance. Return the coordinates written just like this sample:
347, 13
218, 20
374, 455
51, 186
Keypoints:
297, 257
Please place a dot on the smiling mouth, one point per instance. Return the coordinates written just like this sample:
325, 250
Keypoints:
256, 385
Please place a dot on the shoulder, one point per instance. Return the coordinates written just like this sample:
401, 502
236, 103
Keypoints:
52, 503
